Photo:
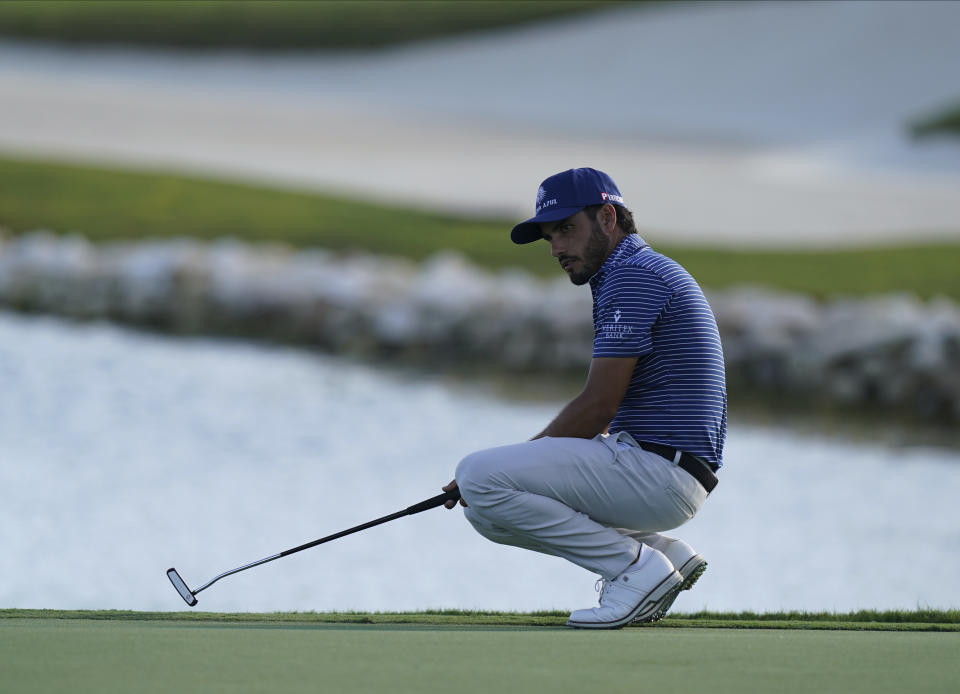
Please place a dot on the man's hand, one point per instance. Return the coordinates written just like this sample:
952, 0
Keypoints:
449, 488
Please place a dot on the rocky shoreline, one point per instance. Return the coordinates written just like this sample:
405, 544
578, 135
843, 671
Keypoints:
891, 352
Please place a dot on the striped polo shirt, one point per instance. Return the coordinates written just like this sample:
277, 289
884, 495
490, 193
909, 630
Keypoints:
645, 305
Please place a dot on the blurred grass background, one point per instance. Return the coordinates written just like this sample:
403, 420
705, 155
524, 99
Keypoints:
942, 122
270, 25
106, 204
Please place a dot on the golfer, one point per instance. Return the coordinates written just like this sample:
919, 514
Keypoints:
637, 451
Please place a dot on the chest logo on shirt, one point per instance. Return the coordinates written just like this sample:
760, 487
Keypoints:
616, 316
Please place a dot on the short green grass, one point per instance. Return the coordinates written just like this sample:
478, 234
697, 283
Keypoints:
862, 620
105, 204
183, 655
269, 24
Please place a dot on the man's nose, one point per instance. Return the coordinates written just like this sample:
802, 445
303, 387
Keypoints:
556, 248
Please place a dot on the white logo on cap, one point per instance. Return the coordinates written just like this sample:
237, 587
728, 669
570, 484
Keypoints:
541, 203
611, 197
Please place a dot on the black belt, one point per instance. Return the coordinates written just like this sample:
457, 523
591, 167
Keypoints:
698, 467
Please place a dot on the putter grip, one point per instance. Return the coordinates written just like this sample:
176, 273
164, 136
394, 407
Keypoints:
439, 500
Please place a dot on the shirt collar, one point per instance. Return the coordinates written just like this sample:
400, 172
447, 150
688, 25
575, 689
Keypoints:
630, 244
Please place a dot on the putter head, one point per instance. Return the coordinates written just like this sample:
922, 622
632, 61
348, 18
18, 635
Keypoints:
181, 586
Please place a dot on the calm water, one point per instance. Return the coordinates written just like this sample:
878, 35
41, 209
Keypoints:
122, 454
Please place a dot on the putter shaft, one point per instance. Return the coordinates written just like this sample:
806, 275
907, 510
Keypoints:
189, 596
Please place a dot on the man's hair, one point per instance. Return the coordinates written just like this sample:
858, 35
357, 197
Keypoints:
624, 217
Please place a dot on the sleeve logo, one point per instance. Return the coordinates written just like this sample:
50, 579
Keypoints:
616, 331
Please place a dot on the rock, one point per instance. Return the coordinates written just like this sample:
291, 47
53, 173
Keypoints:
891, 351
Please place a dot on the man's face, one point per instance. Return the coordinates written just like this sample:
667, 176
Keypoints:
580, 245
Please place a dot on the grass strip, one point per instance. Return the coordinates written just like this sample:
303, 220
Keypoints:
945, 122
105, 204
270, 25
863, 620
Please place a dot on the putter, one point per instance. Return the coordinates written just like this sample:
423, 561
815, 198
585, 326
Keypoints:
190, 596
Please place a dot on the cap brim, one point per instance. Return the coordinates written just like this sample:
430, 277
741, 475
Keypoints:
529, 231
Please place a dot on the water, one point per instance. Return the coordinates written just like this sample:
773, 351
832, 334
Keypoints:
123, 453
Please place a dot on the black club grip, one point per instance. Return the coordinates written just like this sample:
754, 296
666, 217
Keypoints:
433, 502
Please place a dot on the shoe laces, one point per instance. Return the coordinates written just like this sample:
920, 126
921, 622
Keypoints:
601, 587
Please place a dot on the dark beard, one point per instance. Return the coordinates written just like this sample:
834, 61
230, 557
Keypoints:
593, 257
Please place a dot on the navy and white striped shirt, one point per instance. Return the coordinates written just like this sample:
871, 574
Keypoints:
645, 305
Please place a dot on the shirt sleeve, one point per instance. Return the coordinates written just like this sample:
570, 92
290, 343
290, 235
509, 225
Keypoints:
629, 305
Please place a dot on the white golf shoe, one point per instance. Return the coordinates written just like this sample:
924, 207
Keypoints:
642, 593
684, 558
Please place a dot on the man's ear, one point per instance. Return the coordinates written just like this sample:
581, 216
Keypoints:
607, 216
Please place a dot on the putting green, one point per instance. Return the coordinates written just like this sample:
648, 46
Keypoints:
77, 655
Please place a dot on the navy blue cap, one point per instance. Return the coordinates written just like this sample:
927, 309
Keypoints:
563, 195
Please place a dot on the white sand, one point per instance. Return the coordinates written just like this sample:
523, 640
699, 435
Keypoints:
749, 124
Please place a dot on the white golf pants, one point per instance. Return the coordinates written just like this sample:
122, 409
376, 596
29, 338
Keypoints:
568, 497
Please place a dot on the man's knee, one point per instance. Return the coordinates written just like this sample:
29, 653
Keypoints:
473, 474
485, 473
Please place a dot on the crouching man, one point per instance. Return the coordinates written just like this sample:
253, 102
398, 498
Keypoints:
637, 451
